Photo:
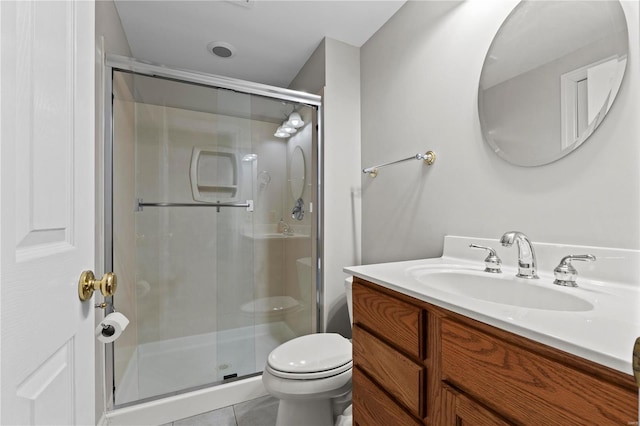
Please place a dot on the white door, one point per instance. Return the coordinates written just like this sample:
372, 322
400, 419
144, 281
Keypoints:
46, 211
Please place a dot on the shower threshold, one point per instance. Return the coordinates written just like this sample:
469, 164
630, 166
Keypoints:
169, 367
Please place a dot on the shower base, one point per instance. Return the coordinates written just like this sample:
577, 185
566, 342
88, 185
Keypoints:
170, 366
171, 408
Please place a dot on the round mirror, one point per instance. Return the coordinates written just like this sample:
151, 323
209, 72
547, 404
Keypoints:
296, 173
550, 77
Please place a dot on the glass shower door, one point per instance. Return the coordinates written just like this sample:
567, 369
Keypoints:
214, 269
181, 203
235, 276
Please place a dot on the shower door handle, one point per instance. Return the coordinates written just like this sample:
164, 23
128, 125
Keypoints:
88, 284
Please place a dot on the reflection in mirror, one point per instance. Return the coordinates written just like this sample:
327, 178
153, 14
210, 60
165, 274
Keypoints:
297, 212
297, 173
550, 76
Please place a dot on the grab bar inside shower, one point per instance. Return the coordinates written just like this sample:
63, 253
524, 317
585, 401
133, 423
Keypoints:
428, 157
140, 205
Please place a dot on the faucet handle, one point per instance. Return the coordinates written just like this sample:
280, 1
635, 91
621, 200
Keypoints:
565, 273
492, 262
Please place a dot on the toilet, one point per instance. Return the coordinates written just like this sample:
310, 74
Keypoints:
311, 376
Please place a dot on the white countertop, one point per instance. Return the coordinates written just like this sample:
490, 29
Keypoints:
605, 334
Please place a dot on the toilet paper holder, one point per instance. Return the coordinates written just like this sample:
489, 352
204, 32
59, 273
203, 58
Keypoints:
111, 327
88, 284
107, 330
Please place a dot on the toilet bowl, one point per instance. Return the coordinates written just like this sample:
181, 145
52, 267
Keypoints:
311, 376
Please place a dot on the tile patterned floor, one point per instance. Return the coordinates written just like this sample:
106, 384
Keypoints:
257, 412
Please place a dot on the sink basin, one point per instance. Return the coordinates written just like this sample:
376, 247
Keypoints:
501, 288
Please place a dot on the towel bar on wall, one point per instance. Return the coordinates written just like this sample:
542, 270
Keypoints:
428, 157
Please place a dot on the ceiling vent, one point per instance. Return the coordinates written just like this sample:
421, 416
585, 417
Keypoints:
221, 49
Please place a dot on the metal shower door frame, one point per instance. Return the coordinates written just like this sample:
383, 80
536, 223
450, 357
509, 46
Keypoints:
132, 65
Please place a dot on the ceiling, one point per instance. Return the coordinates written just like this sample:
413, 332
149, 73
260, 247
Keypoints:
272, 39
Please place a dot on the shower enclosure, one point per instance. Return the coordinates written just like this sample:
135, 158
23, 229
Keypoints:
212, 227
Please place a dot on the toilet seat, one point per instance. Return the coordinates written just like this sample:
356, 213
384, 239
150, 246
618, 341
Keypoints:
314, 356
310, 376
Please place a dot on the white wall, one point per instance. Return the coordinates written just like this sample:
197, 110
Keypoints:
342, 171
341, 153
108, 25
311, 77
420, 76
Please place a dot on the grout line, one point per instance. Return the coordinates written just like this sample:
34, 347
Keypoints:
235, 415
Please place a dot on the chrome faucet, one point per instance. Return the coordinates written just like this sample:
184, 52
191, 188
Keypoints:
526, 254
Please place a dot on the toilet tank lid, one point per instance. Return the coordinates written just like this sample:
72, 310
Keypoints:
311, 353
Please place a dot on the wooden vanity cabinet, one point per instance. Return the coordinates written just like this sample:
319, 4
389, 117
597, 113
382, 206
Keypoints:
530, 383
418, 364
463, 411
388, 353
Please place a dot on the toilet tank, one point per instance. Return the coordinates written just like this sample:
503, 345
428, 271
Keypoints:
348, 283
305, 279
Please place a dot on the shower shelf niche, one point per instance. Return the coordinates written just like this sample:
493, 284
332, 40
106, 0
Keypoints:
269, 232
271, 306
214, 174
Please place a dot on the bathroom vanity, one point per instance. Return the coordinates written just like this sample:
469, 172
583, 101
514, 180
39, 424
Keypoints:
421, 357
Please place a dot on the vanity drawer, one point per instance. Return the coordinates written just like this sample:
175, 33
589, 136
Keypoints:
403, 378
372, 407
526, 387
391, 319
